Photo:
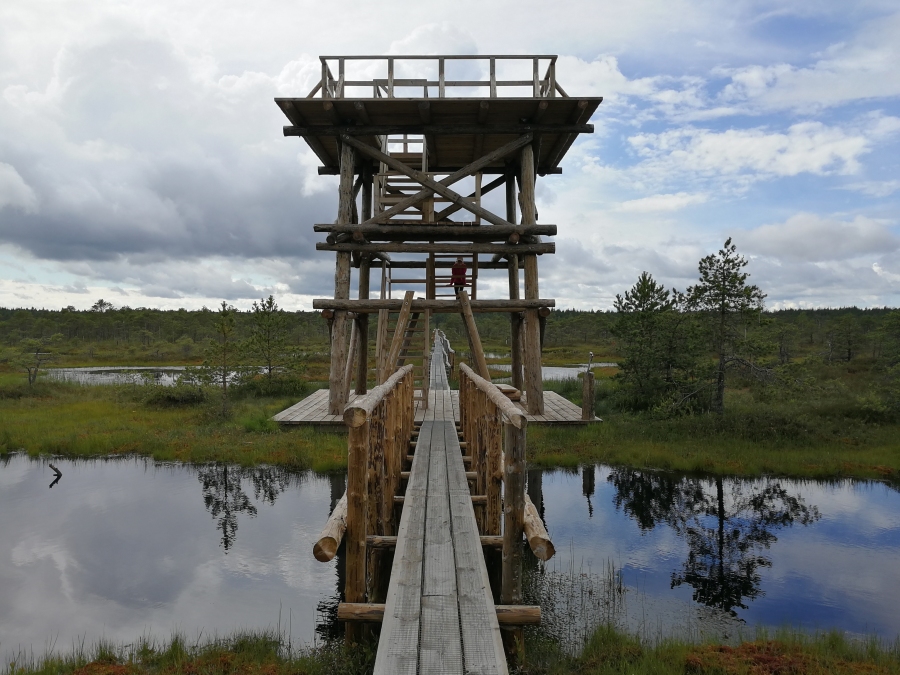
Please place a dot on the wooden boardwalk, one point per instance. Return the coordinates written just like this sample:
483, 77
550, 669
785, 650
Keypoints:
313, 410
439, 616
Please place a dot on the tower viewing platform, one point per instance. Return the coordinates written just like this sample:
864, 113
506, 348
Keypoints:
420, 144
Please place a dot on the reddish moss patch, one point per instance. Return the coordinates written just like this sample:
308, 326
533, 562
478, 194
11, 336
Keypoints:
105, 668
771, 658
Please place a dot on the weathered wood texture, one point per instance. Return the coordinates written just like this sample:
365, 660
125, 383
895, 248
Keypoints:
534, 384
380, 426
439, 615
439, 306
587, 397
337, 383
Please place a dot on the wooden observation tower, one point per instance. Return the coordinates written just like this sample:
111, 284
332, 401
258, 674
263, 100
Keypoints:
420, 143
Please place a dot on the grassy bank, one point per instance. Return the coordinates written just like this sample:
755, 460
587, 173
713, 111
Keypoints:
81, 421
263, 653
607, 652
808, 437
611, 652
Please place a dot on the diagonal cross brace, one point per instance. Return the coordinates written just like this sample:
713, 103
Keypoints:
431, 187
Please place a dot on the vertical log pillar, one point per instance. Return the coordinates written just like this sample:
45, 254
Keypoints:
362, 372
338, 387
362, 325
587, 396
493, 471
513, 529
375, 490
355, 536
515, 318
534, 385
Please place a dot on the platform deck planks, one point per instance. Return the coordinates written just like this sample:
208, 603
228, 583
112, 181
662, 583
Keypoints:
313, 410
439, 615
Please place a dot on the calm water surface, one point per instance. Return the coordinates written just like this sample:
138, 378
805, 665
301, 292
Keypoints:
117, 375
729, 554
123, 548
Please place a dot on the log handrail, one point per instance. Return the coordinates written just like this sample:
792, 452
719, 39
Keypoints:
510, 412
358, 411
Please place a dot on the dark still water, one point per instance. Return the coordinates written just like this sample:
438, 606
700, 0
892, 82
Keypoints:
123, 548
701, 555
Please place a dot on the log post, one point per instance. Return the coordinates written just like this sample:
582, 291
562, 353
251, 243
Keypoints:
362, 322
515, 318
587, 396
493, 472
477, 450
355, 536
338, 388
534, 384
375, 490
513, 528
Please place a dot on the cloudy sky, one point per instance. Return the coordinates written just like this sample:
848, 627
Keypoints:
142, 160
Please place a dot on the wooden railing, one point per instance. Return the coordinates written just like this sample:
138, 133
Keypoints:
449, 354
331, 86
494, 431
380, 427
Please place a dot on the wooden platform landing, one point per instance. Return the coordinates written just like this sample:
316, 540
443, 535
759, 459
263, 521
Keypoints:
439, 616
313, 410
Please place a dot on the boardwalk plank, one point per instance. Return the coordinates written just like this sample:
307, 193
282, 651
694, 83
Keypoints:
440, 616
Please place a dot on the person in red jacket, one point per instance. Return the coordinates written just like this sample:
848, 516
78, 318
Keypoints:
458, 275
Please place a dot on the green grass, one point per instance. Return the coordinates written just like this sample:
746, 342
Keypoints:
261, 653
608, 651
612, 652
79, 421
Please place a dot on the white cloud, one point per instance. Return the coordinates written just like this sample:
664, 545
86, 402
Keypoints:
749, 154
809, 237
663, 202
868, 68
14, 191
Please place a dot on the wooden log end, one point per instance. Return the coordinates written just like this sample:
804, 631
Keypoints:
542, 548
518, 615
544, 312
354, 417
325, 549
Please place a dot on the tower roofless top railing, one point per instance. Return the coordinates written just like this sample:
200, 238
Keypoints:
542, 86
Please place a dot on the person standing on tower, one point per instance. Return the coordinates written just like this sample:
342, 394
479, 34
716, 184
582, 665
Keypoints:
458, 275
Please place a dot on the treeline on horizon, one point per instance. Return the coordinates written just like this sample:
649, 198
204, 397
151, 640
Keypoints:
840, 334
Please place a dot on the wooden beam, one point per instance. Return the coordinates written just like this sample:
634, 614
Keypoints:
330, 538
565, 141
461, 249
362, 323
436, 230
457, 175
534, 383
436, 129
438, 264
507, 615
438, 306
338, 391
453, 208
290, 110
423, 179
474, 339
399, 333
488, 170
